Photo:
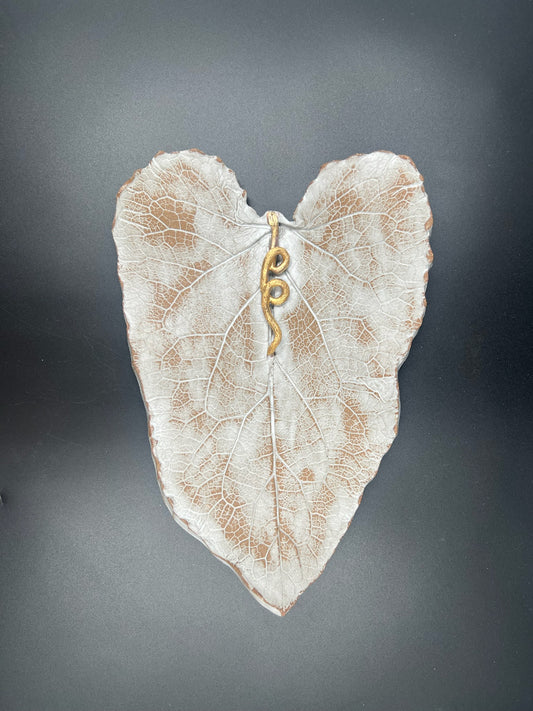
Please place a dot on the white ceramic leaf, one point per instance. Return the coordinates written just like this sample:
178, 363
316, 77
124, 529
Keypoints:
265, 458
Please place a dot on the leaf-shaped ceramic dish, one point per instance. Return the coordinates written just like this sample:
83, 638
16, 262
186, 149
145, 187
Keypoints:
264, 458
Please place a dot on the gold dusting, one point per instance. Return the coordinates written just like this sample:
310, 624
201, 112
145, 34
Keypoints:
271, 264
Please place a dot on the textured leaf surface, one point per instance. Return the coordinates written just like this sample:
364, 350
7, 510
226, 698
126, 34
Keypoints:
265, 458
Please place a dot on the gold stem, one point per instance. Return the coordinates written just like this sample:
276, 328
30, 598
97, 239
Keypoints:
272, 218
270, 264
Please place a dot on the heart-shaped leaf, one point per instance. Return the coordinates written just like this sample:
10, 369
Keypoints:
262, 457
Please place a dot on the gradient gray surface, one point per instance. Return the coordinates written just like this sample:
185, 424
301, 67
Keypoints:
105, 603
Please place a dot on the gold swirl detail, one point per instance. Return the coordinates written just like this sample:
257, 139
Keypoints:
276, 261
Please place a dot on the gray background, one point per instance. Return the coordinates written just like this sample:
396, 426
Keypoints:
106, 604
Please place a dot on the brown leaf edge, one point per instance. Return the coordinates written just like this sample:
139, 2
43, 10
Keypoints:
182, 521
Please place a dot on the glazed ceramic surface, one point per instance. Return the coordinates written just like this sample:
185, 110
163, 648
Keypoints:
264, 458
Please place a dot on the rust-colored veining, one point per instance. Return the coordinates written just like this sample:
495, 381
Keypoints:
171, 224
264, 459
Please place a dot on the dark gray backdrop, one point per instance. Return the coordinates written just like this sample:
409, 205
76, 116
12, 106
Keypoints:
106, 604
